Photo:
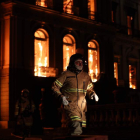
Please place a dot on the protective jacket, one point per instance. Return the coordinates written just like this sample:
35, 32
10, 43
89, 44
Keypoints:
23, 110
74, 87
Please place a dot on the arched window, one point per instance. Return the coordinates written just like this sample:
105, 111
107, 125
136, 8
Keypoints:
41, 53
93, 59
68, 49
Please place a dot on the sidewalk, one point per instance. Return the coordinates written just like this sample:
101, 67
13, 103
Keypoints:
49, 134
7, 134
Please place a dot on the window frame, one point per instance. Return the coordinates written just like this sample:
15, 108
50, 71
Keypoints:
117, 73
73, 44
92, 13
47, 45
98, 55
133, 65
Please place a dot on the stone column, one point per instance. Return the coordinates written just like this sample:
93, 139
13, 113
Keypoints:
138, 71
139, 16
4, 73
122, 12
125, 66
118, 15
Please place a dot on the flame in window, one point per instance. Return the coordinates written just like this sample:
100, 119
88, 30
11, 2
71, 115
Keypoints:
132, 77
93, 61
116, 71
45, 61
91, 9
41, 54
68, 50
129, 24
42, 3
67, 8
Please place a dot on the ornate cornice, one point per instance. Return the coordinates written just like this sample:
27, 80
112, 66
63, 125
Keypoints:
7, 8
38, 13
133, 59
127, 40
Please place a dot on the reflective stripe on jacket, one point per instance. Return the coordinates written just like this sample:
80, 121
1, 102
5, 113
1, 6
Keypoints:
74, 87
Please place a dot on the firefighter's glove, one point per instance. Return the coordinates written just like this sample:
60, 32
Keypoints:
94, 95
64, 100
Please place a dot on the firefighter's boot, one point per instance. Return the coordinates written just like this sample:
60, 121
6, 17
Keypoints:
76, 128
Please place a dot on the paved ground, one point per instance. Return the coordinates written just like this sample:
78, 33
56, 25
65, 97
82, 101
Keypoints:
60, 133
50, 134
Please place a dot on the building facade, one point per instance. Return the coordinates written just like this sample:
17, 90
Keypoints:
37, 38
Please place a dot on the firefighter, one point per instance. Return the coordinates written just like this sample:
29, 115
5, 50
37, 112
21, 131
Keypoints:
71, 87
24, 113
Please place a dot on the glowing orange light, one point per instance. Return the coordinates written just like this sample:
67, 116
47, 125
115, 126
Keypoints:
41, 56
42, 62
91, 8
116, 71
92, 62
45, 61
129, 20
68, 6
41, 3
68, 50
132, 77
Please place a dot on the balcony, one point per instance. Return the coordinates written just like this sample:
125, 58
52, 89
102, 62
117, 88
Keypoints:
114, 115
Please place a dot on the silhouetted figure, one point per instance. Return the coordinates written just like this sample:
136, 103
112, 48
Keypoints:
24, 110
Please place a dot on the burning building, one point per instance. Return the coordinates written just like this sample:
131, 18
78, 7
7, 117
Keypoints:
37, 38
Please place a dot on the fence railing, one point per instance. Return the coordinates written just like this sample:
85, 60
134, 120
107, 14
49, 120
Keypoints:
126, 114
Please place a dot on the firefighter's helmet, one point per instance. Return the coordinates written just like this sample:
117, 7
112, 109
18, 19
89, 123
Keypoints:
25, 91
72, 66
74, 57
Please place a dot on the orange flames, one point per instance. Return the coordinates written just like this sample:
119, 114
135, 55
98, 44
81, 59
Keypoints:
92, 64
41, 3
132, 77
41, 61
116, 71
68, 50
92, 9
68, 6
42, 68
129, 24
